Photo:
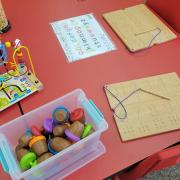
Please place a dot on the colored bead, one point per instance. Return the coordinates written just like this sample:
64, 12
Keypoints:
60, 115
87, 130
8, 44
71, 136
28, 161
36, 131
77, 115
50, 149
19, 54
48, 125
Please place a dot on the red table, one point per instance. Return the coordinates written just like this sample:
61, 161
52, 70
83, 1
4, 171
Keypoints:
30, 22
169, 10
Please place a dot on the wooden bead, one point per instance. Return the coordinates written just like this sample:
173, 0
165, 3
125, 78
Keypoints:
24, 140
60, 115
59, 143
20, 153
77, 128
59, 130
44, 157
18, 147
39, 147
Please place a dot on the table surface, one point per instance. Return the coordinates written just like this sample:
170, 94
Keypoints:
30, 22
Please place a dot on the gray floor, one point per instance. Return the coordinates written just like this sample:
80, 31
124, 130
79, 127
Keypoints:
172, 173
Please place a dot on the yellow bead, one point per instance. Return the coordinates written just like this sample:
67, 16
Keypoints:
8, 44
20, 54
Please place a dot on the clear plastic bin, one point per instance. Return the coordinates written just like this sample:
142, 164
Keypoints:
66, 161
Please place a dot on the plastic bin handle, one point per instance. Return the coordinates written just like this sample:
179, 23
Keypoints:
3, 162
93, 111
96, 108
6, 158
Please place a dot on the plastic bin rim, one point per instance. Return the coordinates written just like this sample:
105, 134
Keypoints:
58, 155
41, 107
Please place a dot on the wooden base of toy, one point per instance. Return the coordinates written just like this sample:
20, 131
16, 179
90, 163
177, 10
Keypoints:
34, 80
31, 77
30, 83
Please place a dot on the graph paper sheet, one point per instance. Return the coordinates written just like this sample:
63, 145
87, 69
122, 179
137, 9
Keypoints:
147, 113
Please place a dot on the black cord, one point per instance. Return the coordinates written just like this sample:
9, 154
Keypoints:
157, 34
20, 108
120, 103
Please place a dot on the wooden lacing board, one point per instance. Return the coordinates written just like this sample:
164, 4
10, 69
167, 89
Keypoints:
138, 27
153, 110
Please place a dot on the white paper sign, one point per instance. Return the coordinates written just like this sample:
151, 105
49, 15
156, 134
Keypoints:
82, 37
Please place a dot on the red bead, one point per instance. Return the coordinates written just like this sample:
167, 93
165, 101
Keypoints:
77, 115
36, 131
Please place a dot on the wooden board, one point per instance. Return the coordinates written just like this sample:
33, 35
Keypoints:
14, 88
151, 111
138, 27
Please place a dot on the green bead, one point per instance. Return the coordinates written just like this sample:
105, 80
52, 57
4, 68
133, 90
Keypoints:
86, 130
34, 163
27, 161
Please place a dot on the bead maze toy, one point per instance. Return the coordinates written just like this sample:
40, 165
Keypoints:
17, 74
